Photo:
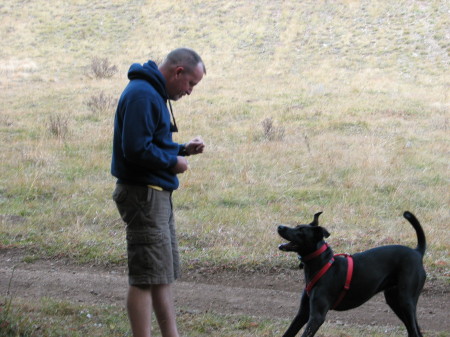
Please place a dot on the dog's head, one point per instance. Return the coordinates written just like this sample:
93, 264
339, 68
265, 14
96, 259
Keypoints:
303, 238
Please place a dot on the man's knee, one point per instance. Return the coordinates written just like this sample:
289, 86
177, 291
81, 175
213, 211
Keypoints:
144, 287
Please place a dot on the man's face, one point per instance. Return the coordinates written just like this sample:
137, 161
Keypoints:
183, 82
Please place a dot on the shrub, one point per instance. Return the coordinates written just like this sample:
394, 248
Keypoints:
271, 132
58, 125
101, 68
101, 103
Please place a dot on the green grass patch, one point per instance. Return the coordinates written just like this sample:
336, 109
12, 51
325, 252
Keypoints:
52, 318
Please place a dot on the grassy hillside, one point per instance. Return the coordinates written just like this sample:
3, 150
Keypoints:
337, 106
333, 106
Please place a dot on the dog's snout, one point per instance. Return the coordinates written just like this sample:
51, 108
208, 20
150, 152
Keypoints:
281, 228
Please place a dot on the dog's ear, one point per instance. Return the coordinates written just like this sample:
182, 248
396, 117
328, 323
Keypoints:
320, 233
316, 219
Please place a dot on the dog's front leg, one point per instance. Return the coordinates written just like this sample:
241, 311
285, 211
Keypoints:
301, 318
318, 310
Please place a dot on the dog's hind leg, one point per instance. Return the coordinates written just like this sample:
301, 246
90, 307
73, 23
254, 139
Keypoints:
405, 309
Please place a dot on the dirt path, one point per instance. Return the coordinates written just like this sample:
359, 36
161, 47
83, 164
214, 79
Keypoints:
262, 295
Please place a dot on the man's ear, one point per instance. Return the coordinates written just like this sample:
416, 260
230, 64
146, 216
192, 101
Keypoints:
178, 71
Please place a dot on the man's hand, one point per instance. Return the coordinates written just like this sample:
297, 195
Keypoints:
195, 146
181, 166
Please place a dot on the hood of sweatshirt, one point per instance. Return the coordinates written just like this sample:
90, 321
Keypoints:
149, 72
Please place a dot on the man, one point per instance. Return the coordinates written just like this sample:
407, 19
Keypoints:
146, 162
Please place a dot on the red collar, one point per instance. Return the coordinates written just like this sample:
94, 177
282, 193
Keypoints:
319, 251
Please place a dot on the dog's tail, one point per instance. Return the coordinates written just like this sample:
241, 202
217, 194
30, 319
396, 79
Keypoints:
421, 241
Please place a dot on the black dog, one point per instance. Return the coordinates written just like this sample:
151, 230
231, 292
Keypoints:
397, 270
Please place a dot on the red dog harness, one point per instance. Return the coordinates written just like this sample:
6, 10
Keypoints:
325, 268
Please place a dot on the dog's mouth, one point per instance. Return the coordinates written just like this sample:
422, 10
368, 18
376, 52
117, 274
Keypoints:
288, 247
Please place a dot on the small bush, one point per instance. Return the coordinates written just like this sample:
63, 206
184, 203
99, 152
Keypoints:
271, 132
101, 103
58, 125
101, 68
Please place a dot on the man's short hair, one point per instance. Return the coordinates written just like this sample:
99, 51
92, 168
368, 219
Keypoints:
186, 58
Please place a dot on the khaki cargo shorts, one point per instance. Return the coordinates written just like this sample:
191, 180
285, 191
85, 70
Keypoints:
153, 256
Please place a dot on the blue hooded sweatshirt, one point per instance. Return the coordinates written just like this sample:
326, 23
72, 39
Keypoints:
143, 149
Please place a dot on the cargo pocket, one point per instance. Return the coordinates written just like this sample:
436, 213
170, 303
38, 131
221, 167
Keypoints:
145, 252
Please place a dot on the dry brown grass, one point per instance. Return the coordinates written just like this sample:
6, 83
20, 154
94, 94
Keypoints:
360, 90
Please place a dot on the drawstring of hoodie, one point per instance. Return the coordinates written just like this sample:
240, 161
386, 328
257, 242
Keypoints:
173, 127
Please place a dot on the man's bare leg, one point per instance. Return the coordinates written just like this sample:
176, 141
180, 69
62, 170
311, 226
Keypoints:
140, 302
164, 309
139, 305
